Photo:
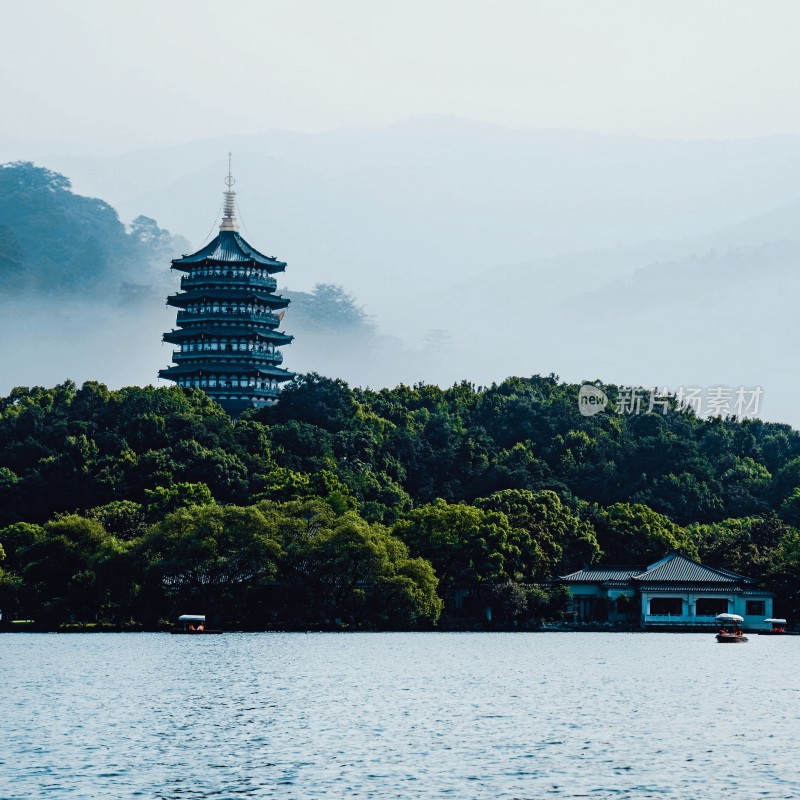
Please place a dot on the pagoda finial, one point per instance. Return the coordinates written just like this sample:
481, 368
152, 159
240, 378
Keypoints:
229, 207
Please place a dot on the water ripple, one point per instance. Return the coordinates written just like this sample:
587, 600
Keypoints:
507, 716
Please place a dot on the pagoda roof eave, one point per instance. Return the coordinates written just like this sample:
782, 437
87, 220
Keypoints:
182, 334
182, 298
226, 369
229, 247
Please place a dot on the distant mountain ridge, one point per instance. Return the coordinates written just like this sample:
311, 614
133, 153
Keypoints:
481, 252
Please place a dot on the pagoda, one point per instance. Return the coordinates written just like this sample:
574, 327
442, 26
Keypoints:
228, 318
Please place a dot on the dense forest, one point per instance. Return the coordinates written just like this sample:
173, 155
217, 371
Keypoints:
338, 507
344, 507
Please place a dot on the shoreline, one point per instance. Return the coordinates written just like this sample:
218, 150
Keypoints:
287, 630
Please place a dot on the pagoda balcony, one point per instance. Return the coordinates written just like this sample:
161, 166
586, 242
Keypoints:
185, 317
222, 355
196, 281
240, 392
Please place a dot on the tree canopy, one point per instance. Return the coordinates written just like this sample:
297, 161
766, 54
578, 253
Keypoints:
374, 508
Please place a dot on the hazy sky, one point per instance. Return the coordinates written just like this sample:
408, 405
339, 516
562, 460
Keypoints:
111, 76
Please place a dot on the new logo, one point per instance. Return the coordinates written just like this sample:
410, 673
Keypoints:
591, 400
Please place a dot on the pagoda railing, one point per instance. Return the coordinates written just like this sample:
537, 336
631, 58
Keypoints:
256, 355
240, 391
193, 281
227, 316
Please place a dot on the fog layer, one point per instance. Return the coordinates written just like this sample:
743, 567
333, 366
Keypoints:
476, 252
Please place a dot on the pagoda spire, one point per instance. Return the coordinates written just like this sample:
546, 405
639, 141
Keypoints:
229, 208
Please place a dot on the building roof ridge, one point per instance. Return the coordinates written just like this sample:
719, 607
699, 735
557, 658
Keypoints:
602, 569
650, 574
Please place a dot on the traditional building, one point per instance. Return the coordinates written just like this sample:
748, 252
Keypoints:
675, 592
228, 320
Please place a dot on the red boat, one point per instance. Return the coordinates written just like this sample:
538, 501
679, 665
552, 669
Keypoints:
730, 629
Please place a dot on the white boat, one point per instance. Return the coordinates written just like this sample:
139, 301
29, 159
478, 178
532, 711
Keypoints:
778, 628
192, 624
730, 629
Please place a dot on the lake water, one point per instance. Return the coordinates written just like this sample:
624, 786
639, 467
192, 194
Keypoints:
398, 716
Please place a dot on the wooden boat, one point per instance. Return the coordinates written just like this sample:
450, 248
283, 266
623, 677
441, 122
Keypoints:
730, 629
192, 625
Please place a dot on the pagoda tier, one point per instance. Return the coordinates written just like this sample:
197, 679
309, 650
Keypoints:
229, 369
226, 334
226, 297
227, 321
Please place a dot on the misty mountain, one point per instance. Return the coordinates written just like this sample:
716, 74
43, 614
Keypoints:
82, 295
712, 318
479, 251
335, 336
55, 242
776, 225
433, 200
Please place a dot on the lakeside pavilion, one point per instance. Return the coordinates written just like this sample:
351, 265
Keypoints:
675, 592
228, 319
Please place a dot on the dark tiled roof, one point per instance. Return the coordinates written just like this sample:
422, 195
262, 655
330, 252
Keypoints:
677, 568
674, 573
601, 574
230, 248
226, 369
223, 330
255, 293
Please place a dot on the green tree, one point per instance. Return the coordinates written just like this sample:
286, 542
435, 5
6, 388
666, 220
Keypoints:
359, 573
790, 508
163, 500
57, 572
285, 485
210, 553
683, 498
16, 540
783, 575
127, 520
554, 538
313, 399
635, 534
747, 545
467, 546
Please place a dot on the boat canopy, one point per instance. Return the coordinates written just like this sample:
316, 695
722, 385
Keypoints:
729, 618
192, 618
776, 621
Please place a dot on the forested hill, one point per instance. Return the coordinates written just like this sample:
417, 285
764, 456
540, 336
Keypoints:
371, 507
55, 242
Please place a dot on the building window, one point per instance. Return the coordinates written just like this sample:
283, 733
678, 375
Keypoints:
666, 606
755, 608
711, 606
